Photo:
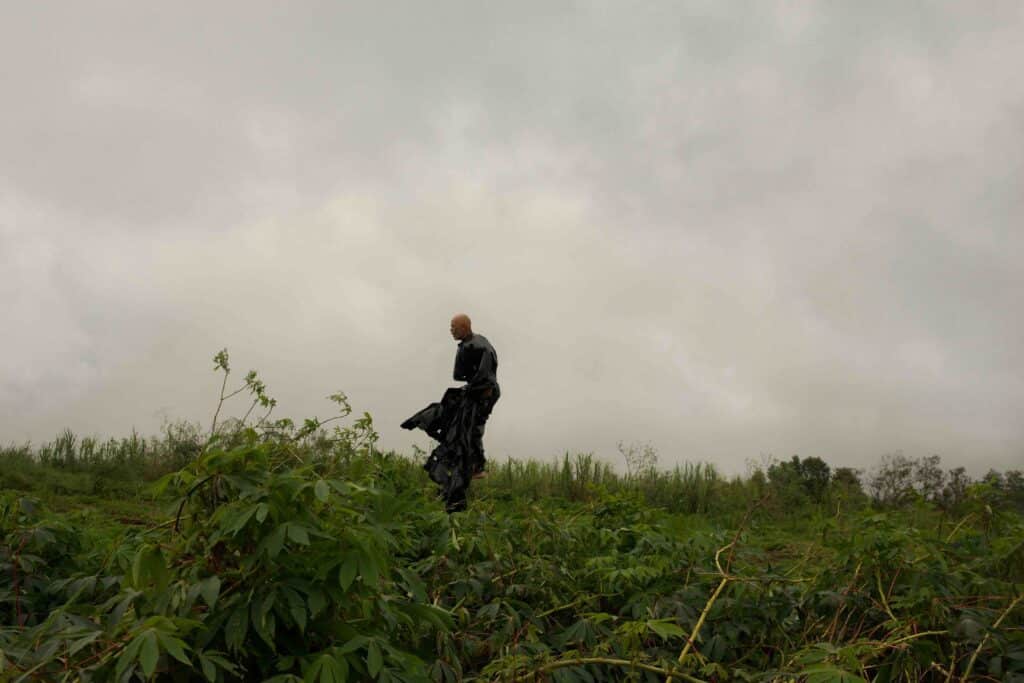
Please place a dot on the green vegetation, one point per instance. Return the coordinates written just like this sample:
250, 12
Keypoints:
269, 551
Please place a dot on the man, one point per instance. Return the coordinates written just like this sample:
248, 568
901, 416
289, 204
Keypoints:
476, 364
457, 421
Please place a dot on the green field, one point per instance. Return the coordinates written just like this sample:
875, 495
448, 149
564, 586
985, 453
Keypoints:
287, 554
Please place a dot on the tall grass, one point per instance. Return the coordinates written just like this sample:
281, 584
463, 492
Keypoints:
70, 464
687, 488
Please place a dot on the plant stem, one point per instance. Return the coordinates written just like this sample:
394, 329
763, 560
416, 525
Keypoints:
707, 608
977, 651
957, 527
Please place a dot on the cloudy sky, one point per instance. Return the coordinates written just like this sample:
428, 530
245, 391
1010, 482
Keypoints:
728, 229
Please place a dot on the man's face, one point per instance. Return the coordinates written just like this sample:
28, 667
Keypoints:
459, 328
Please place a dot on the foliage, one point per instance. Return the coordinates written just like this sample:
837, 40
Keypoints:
800, 480
286, 552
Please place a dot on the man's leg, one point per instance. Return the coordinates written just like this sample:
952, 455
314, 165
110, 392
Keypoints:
477, 440
479, 462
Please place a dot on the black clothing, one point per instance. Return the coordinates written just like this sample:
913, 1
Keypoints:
457, 422
452, 423
476, 363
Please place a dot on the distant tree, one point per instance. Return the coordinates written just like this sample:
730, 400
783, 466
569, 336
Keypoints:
758, 483
994, 479
846, 481
641, 458
815, 475
785, 484
954, 493
892, 481
1014, 483
795, 478
929, 477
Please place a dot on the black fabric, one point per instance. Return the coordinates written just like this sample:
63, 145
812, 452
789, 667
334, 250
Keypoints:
451, 464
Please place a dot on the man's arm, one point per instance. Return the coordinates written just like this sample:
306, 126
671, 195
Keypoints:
483, 380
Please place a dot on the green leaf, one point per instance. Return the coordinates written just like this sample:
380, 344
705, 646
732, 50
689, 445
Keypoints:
175, 647
298, 534
374, 659
210, 590
369, 569
830, 674
665, 629
321, 489
148, 653
275, 541
267, 629
82, 642
209, 668
237, 626
316, 601
149, 567
225, 664
347, 573
128, 656
417, 590
296, 608
261, 512
240, 521
327, 669
353, 645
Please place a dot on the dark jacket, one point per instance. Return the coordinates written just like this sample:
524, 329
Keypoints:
476, 364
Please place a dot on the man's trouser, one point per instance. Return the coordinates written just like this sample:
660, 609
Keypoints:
477, 438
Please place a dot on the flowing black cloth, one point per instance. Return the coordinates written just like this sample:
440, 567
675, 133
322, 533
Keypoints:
452, 422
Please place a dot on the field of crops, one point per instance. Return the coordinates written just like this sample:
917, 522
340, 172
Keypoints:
302, 554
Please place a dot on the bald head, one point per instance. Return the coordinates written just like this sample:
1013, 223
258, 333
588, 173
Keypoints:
461, 327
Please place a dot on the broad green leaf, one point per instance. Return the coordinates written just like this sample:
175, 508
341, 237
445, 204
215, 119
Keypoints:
296, 608
830, 674
149, 567
128, 656
327, 669
317, 601
236, 628
353, 645
267, 629
368, 569
298, 534
82, 642
148, 653
322, 490
374, 659
210, 590
209, 668
416, 588
348, 571
665, 629
175, 647
240, 520
274, 542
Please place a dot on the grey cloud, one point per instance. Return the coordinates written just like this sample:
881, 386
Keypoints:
730, 230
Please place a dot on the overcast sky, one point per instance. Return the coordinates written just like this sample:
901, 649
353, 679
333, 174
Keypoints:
728, 229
